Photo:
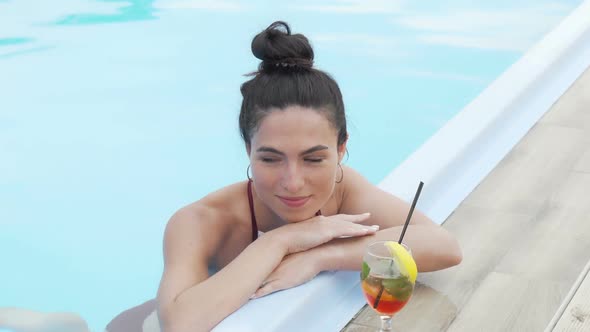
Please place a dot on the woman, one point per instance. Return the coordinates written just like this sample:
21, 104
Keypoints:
314, 213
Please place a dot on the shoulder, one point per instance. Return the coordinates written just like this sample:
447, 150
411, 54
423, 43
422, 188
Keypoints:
387, 210
189, 233
216, 207
209, 219
353, 182
357, 191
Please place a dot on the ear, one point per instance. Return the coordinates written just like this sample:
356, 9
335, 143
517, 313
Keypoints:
342, 150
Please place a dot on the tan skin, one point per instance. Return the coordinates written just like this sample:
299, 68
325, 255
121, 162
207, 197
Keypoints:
294, 153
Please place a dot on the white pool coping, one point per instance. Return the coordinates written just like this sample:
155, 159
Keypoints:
458, 156
451, 164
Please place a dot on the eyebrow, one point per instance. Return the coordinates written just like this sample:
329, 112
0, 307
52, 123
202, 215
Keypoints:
308, 151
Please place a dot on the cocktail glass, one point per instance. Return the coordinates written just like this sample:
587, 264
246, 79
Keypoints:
385, 281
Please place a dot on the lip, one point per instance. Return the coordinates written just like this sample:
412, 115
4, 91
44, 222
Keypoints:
294, 201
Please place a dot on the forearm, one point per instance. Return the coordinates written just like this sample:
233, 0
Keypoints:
433, 248
204, 305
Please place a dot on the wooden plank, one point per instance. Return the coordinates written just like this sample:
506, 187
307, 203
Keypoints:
575, 315
503, 303
583, 164
358, 328
525, 178
556, 245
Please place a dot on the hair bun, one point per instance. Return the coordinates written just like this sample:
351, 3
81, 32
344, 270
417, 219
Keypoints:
279, 49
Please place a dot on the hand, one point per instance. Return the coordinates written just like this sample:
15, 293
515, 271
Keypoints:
294, 270
318, 230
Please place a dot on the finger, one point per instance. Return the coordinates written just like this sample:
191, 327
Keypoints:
356, 218
353, 230
372, 230
267, 289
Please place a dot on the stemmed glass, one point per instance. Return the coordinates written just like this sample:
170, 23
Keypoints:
385, 281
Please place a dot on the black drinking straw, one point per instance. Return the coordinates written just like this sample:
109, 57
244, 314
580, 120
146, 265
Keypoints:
401, 237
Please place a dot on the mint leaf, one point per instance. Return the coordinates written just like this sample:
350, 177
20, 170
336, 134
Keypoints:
401, 288
365, 271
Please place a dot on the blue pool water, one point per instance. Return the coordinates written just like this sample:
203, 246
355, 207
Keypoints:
113, 114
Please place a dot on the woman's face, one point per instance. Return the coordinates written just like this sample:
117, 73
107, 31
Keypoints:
294, 160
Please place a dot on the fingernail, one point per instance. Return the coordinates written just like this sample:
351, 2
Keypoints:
375, 227
371, 229
367, 214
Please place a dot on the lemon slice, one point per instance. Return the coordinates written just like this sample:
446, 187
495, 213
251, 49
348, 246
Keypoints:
403, 259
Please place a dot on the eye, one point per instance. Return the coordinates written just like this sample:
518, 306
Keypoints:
314, 160
268, 160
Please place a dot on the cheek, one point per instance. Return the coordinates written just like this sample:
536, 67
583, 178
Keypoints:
324, 180
327, 173
267, 178
263, 177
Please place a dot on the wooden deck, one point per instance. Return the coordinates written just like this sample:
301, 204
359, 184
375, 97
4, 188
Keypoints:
574, 313
525, 235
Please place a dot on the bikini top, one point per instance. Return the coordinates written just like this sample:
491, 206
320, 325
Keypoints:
253, 217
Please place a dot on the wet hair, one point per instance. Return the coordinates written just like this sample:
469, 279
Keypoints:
286, 77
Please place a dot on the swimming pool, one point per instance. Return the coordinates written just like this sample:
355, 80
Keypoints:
115, 113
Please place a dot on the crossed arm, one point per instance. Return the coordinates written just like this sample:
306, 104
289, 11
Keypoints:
291, 255
189, 300
433, 247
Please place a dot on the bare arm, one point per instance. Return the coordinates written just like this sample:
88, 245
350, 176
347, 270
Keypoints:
346, 254
190, 301
433, 247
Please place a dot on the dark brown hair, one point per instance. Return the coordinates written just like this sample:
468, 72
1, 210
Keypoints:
286, 77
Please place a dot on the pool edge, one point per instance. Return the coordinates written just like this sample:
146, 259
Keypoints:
473, 142
458, 156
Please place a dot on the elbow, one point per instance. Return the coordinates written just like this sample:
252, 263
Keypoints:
454, 254
165, 320
173, 328
171, 320
455, 259
448, 251
168, 321
172, 325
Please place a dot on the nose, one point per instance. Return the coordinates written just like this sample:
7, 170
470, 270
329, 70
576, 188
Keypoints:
292, 179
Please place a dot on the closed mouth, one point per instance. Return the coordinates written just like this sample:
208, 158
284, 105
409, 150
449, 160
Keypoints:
294, 201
